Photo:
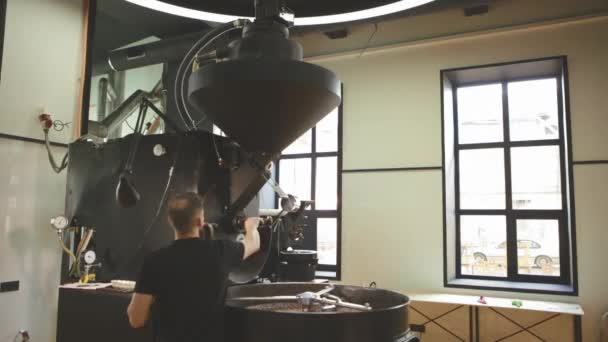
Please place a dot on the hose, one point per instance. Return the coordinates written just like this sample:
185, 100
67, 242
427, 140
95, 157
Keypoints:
180, 78
64, 161
65, 248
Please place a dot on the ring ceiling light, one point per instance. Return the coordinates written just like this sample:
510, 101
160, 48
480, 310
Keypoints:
379, 11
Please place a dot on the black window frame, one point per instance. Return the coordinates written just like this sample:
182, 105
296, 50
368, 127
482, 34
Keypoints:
564, 216
3, 7
310, 238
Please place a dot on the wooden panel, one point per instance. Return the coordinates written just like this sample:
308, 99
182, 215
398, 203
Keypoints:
415, 318
522, 337
434, 333
525, 318
559, 329
493, 327
451, 321
433, 310
457, 322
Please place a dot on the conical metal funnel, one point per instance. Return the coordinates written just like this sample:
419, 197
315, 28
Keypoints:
264, 104
261, 94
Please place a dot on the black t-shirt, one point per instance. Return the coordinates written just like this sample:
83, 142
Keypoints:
188, 279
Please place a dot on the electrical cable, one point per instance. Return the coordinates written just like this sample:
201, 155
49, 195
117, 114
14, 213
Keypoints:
183, 82
66, 249
205, 119
137, 136
217, 152
273, 230
59, 125
178, 75
64, 161
189, 58
129, 125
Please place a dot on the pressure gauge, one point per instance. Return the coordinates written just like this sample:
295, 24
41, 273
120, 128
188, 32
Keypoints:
59, 222
159, 150
90, 257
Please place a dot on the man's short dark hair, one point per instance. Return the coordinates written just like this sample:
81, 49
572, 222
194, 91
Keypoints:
183, 209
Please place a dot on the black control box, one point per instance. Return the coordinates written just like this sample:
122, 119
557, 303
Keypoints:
9, 286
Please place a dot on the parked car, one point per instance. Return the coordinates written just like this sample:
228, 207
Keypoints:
537, 255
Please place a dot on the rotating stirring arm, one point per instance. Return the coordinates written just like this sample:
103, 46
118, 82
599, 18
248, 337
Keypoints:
307, 299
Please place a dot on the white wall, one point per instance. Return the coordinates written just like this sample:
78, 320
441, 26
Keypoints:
41, 71
30, 194
392, 222
41, 65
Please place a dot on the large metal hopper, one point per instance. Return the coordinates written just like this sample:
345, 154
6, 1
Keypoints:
264, 104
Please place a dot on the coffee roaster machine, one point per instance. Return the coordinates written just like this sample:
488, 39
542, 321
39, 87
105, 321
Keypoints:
260, 93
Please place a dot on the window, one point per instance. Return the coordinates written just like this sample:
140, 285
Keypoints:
310, 169
507, 175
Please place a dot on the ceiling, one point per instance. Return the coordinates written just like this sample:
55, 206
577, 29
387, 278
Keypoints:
119, 22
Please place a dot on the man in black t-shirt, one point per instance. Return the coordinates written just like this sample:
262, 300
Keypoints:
187, 279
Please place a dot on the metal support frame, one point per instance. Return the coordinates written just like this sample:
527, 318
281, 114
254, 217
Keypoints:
474, 325
162, 115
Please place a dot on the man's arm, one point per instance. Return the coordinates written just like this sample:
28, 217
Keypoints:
251, 242
139, 309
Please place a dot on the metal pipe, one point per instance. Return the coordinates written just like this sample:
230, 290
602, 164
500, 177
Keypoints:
111, 94
343, 304
162, 51
266, 299
102, 99
105, 127
272, 212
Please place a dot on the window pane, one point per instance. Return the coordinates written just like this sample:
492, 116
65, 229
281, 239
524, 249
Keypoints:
480, 114
482, 179
295, 177
302, 145
267, 194
538, 247
327, 133
327, 241
327, 184
533, 110
325, 274
218, 131
483, 248
536, 179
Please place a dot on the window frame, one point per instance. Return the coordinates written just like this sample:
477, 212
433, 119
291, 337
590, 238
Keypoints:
565, 216
310, 239
3, 7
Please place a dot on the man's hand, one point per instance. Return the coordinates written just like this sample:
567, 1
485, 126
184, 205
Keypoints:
251, 224
139, 309
252, 236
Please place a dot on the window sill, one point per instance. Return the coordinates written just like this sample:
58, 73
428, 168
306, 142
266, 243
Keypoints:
509, 286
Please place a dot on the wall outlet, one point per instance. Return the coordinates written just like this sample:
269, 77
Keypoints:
9, 286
